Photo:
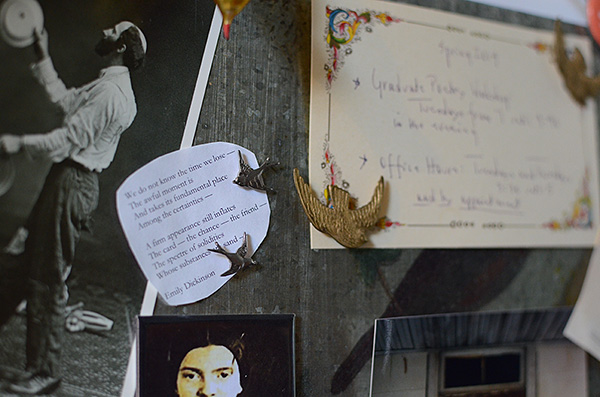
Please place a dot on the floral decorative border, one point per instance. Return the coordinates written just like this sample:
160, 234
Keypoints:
333, 173
580, 216
345, 26
540, 47
386, 223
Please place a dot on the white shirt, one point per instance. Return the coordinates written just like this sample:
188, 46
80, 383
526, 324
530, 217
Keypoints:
96, 115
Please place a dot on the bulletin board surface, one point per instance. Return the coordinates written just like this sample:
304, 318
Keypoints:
258, 97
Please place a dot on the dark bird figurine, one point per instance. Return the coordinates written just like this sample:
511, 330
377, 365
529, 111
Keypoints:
238, 259
249, 177
346, 225
574, 69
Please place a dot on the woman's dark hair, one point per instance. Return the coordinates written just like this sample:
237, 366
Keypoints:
134, 55
234, 343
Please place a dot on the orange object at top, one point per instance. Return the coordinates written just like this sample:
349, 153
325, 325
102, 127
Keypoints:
229, 9
593, 15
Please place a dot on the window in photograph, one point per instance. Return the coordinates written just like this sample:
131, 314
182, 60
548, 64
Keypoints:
494, 371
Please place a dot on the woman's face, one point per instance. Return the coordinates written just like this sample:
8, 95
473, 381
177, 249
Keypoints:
209, 371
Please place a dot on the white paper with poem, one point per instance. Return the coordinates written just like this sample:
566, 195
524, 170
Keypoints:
177, 206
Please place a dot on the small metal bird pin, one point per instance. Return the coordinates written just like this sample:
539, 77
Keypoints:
338, 219
249, 177
238, 259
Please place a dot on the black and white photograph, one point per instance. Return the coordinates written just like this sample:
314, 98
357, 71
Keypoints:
221, 356
90, 92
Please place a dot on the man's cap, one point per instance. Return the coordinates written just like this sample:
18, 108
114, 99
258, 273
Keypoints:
124, 25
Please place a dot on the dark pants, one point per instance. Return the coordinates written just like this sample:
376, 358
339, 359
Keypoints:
63, 209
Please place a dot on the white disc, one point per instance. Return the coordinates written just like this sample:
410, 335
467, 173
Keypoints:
18, 21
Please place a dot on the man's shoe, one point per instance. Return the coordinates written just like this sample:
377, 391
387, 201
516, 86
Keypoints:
35, 385
21, 376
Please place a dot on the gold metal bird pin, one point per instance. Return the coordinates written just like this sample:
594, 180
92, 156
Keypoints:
574, 69
339, 220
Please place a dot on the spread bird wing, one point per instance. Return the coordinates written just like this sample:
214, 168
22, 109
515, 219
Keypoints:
255, 179
318, 214
270, 163
340, 198
560, 54
232, 270
218, 249
244, 167
258, 172
368, 215
243, 250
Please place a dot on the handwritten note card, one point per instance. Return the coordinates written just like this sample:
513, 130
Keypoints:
467, 120
179, 205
